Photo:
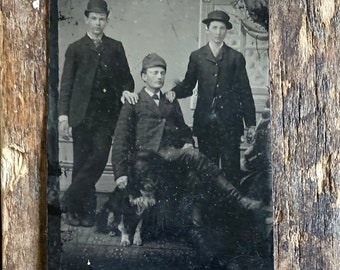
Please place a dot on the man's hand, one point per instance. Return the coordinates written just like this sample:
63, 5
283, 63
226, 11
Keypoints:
177, 81
132, 98
122, 182
64, 130
250, 134
187, 145
170, 95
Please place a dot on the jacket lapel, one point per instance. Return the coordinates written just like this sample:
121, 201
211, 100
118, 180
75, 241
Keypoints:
148, 102
103, 45
211, 57
164, 105
223, 53
208, 54
89, 43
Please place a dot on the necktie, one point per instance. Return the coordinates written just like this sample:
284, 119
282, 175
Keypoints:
156, 99
96, 42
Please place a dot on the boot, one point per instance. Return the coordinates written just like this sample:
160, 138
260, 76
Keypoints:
234, 196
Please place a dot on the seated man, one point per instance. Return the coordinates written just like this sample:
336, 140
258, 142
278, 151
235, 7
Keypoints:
156, 124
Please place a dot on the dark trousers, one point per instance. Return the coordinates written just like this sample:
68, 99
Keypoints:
203, 182
224, 148
91, 147
190, 159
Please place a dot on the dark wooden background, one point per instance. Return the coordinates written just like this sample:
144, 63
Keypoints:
305, 99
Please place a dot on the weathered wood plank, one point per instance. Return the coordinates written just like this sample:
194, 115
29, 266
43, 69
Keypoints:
23, 133
304, 39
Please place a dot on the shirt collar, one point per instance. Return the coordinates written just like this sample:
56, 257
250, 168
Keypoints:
93, 38
150, 93
211, 46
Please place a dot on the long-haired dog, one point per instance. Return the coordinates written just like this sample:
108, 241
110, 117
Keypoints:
126, 208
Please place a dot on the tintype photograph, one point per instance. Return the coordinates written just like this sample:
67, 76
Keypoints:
163, 135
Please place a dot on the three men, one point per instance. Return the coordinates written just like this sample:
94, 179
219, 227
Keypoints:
95, 75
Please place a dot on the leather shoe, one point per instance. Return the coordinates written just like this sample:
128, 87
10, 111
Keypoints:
72, 219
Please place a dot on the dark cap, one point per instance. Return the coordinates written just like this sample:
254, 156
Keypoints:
218, 15
97, 6
153, 60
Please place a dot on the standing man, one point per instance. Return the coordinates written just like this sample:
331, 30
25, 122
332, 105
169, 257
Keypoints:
95, 76
225, 101
155, 124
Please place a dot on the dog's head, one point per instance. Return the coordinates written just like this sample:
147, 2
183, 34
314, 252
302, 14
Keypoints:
146, 179
146, 169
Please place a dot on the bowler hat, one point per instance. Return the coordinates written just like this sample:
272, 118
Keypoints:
153, 60
97, 6
218, 15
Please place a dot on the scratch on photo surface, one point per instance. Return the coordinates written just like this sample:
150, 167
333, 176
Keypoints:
173, 29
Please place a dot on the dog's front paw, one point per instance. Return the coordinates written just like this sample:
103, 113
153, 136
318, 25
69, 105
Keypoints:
124, 242
137, 240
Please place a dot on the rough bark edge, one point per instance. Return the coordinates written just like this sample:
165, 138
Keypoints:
23, 134
305, 133
19, 170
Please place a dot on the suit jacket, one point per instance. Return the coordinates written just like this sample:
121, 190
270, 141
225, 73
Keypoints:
223, 78
146, 126
82, 60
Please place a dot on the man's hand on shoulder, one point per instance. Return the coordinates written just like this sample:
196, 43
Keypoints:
177, 82
122, 181
170, 96
130, 97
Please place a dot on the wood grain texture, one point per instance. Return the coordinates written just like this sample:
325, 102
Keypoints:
23, 133
304, 45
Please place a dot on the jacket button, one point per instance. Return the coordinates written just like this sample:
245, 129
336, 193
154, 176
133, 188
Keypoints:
104, 90
217, 85
215, 74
